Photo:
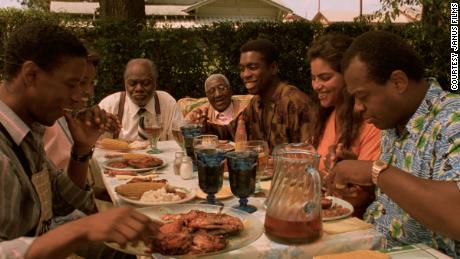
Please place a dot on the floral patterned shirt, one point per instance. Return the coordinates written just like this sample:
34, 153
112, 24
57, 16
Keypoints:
428, 148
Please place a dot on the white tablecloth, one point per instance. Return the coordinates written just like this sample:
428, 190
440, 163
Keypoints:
263, 247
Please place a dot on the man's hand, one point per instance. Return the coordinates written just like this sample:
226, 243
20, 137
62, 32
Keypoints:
113, 125
198, 115
337, 153
349, 172
120, 225
87, 125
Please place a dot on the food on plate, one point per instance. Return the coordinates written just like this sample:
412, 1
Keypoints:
115, 144
111, 155
138, 144
195, 232
113, 173
144, 162
326, 203
358, 254
146, 179
133, 155
134, 191
224, 193
164, 194
333, 209
118, 164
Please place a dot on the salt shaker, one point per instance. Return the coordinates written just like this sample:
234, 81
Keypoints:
186, 168
177, 162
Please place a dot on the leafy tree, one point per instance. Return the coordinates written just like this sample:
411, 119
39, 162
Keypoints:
433, 30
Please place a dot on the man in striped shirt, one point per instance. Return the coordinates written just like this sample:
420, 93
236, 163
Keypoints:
43, 67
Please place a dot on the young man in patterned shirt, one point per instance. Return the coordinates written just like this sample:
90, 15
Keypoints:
418, 174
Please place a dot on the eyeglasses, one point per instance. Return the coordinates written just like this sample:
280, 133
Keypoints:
143, 82
213, 90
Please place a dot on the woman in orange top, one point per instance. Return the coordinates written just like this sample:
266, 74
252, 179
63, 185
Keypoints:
340, 132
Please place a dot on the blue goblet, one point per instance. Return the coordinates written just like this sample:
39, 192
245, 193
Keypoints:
210, 161
189, 131
242, 168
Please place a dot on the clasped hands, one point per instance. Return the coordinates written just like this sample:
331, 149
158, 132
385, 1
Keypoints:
88, 124
345, 175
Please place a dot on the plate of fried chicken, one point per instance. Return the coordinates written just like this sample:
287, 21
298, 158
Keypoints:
191, 230
135, 164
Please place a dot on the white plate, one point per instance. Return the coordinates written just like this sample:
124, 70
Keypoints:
342, 203
253, 227
129, 168
190, 195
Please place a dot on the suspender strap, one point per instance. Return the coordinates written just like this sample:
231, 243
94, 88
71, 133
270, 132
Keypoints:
121, 105
18, 151
157, 103
121, 108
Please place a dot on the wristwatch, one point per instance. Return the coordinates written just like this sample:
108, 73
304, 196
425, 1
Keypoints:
81, 158
378, 166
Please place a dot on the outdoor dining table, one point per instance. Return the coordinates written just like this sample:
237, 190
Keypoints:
262, 247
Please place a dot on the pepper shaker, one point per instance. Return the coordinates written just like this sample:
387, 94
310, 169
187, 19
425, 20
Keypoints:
178, 161
186, 168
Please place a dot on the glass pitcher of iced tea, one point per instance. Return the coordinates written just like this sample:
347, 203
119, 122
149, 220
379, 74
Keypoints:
293, 206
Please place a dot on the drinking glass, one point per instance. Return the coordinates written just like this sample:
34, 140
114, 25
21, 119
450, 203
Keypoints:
177, 134
153, 126
261, 148
242, 167
210, 162
189, 131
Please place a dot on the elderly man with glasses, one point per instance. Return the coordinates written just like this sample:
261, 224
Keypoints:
139, 99
221, 109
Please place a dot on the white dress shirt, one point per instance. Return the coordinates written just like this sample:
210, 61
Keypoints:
130, 121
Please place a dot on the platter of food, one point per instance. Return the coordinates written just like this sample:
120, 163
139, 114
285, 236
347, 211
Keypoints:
334, 208
153, 192
192, 230
135, 164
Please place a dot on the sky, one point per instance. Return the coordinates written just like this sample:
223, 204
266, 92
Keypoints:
304, 8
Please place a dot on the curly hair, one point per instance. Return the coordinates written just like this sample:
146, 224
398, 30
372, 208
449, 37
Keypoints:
330, 48
264, 46
384, 52
43, 43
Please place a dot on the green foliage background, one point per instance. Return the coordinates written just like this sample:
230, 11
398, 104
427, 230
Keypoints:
185, 57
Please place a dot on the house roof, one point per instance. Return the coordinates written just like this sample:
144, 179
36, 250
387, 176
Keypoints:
274, 3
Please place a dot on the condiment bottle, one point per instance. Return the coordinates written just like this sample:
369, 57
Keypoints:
240, 135
178, 161
186, 168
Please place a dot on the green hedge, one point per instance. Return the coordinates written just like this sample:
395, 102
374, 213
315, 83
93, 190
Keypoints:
185, 57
